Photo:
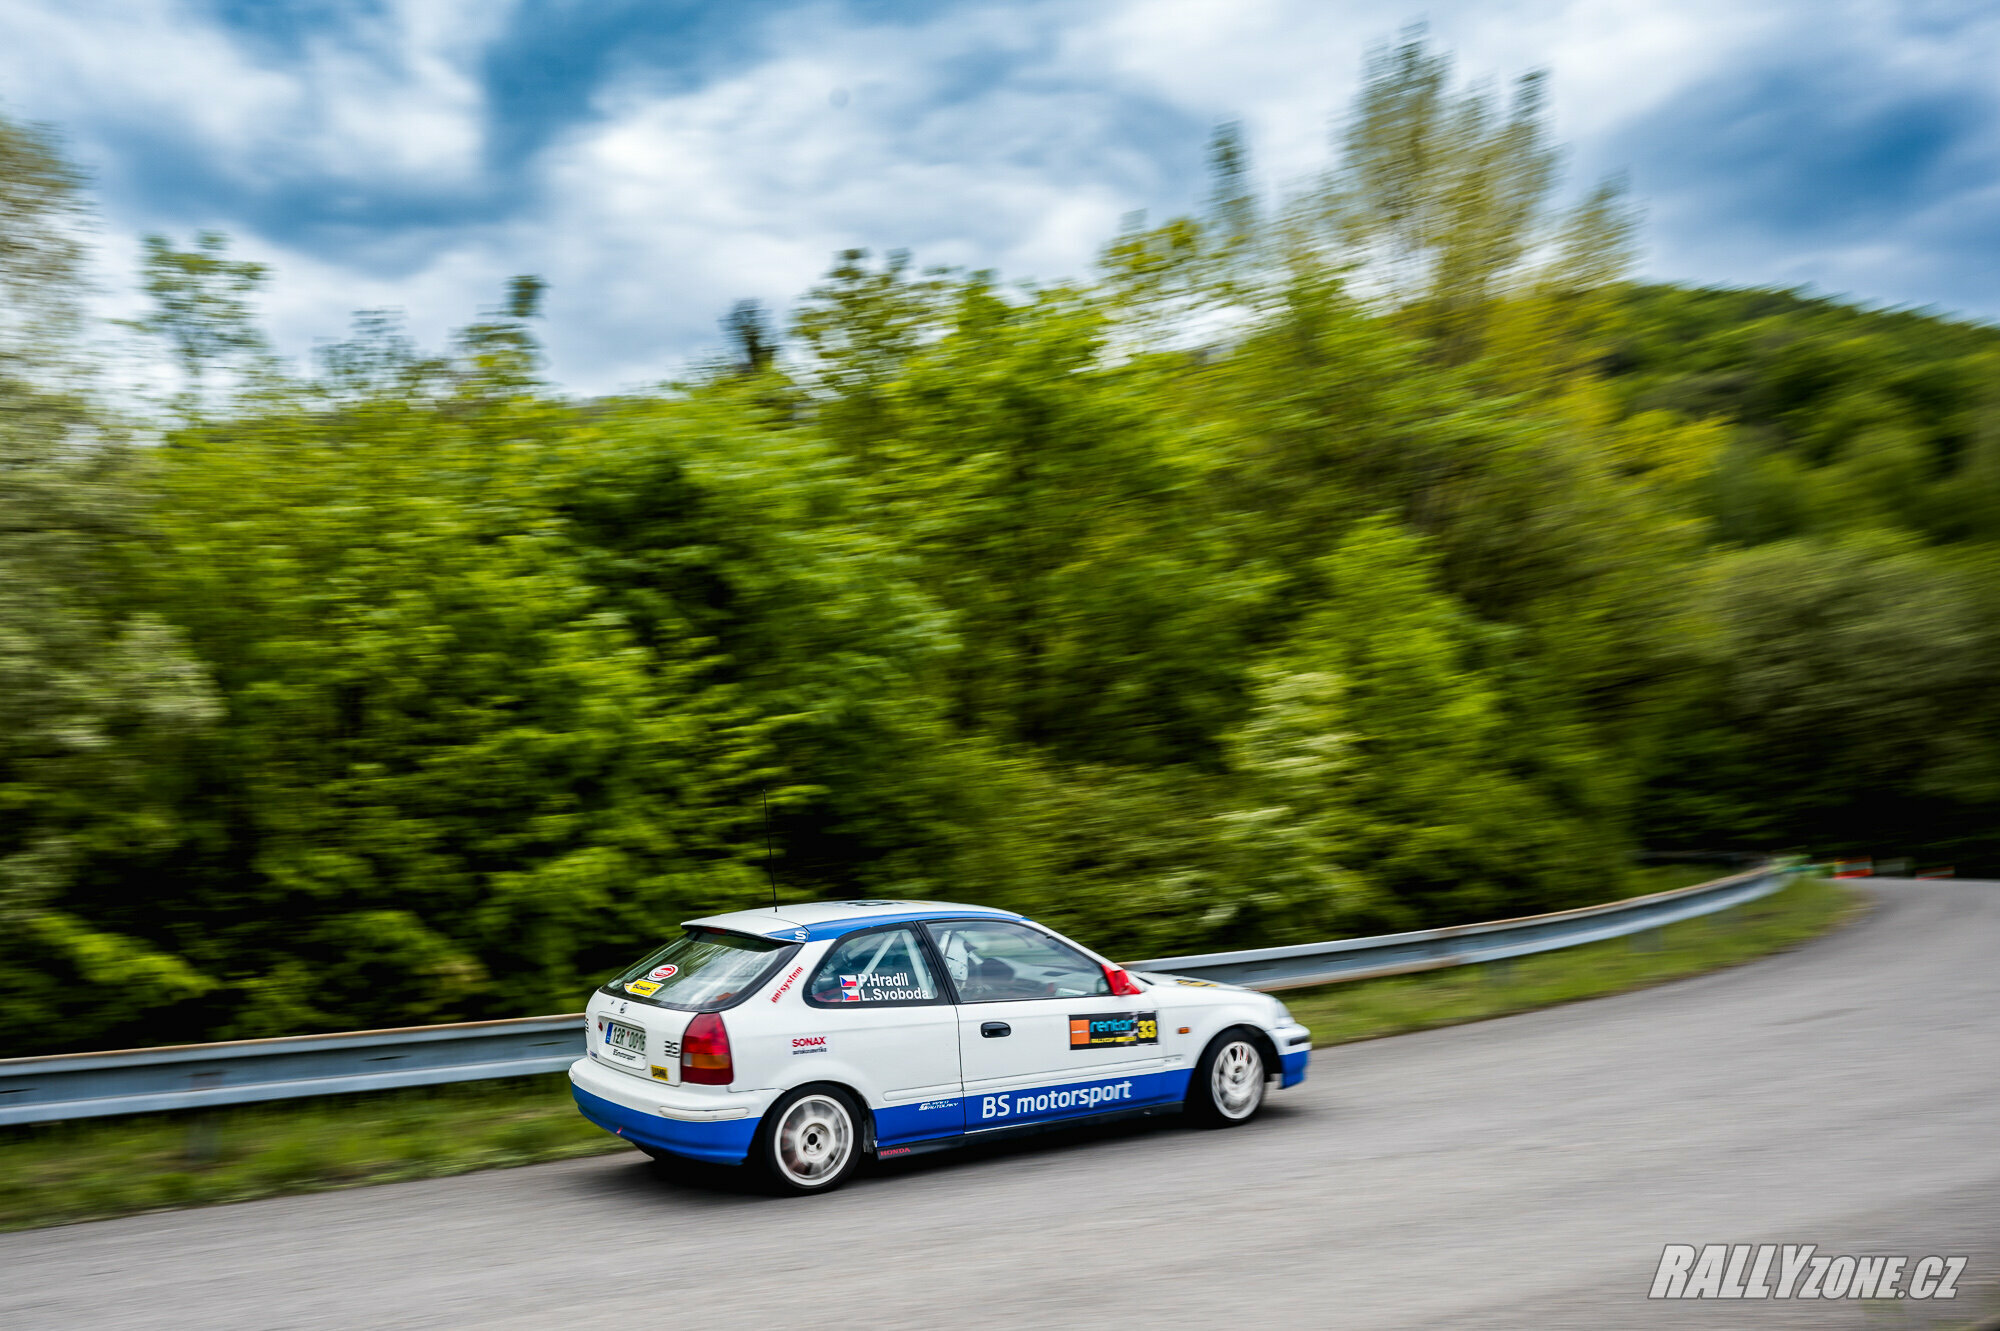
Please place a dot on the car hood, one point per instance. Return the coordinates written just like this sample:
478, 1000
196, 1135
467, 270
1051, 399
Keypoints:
1189, 983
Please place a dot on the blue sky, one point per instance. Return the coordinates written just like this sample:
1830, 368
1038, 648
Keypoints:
657, 161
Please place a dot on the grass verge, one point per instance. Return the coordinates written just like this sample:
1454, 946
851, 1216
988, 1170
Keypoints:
97, 1168
94, 1168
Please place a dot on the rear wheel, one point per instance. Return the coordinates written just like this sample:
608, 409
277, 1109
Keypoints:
1228, 1083
810, 1141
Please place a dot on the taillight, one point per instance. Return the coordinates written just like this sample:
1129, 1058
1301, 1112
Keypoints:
1121, 983
705, 1052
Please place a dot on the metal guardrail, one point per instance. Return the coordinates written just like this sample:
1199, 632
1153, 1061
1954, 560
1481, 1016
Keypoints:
193, 1076
140, 1081
1466, 944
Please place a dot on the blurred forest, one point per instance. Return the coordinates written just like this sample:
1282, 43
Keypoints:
1378, 557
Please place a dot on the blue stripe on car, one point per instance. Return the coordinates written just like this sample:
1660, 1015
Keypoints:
1077, 1099
726, 1143
896, 1125
837, 928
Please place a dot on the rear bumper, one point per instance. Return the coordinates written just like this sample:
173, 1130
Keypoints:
716, 1127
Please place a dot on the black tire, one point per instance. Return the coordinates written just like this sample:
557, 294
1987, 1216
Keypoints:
1227, 1088
658, 1156
810, 1141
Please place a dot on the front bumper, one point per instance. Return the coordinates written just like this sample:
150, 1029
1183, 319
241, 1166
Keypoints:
711, 1124
1294, 1050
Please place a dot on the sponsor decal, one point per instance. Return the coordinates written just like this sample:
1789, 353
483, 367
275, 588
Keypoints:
809, 1044
790, 980
1114, 1028
661, 1073
1019, 1104
937, 1104
893, 1150
663, 972
882, 987
1800, 1271
1197, 984
643, 988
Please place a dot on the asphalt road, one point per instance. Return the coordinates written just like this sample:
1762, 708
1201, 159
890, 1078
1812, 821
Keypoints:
1515, 1173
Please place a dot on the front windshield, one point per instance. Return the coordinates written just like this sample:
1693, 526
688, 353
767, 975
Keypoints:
703, 968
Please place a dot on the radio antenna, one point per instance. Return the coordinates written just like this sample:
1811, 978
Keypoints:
767, 848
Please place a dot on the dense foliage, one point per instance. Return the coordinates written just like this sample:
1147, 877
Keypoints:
1382, 559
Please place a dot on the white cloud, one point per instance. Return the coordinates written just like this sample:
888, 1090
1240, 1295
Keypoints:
391, 97
1006, 135
1280, 67
1288, 69
670, 205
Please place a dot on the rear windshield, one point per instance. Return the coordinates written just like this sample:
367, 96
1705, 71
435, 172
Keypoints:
703, 968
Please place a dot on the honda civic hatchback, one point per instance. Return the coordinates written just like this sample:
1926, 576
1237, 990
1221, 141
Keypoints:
800, 1040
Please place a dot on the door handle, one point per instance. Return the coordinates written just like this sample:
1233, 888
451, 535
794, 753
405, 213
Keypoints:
991, 1029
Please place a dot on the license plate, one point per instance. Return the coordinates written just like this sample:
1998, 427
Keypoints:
623, 1038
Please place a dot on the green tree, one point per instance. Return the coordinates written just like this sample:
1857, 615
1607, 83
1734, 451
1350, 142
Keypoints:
709, 522
42, 217
500, 357
752, 342
99, 697
201, 307
1445, 199
1844, 704
1378, 744
438, 740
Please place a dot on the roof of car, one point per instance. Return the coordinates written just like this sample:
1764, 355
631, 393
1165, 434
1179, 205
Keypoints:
813, 920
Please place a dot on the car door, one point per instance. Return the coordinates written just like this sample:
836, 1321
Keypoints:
1040, 1035
883, 1016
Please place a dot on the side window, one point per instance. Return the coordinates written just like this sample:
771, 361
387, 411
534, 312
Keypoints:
880, 966
993, 961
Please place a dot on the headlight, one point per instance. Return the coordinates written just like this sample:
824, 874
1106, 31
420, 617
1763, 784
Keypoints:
1285, 1017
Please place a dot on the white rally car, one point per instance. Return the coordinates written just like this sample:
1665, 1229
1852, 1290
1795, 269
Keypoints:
802, 1038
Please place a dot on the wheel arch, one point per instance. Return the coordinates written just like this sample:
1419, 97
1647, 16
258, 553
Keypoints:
864, 1113
1266, 1046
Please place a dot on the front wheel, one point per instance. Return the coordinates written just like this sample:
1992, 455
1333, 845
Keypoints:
810, 1142
1228, 1083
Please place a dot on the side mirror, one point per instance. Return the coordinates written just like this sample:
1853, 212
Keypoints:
1122, 983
